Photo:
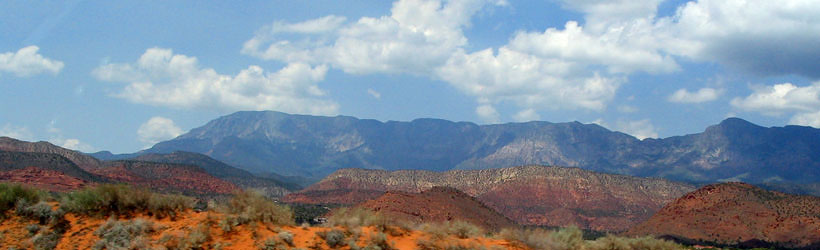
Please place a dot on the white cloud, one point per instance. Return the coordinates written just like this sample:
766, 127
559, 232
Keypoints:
162, 78
526, 115
71, 143
781, 98
27, 62
374, 94
158, 129
806, 119
20, 133
640, 129
803, 103
526, 80
758, 36
487, 113
415, 38
702, 95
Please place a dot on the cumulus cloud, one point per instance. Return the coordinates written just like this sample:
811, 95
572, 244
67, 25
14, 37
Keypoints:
757, 36
415, 38
158, 129
702, 95
803, 103
806, 119
779, 98
20, 133
162, 78
572, 67
72, 143
27, 62
640, 129
488, 113
526, 115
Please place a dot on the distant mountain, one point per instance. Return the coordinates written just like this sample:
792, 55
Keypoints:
738, 214
315, 146
529, 195
44, 170
438, 204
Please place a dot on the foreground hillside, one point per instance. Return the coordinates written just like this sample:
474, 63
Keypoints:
121, 217
529, 195
314, 146
738, 213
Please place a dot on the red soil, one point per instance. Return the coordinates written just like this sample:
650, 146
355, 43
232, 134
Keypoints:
44, 179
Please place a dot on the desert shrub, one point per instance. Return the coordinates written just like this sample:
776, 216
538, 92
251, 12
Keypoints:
46, 240
162, 205
460, 229
10, 194
334, 238
532, 238
356, 217
32, 229
41, 211
611, 242
249, 206
129, 234
568, 238
286, 237
379, 241
195, 239
123, 200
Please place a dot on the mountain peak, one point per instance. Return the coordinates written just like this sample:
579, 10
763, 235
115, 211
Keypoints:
734, 122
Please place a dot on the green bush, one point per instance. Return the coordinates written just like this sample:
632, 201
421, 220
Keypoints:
379, 241
10, 194
46, 240
116, 234
120, 199
249, 206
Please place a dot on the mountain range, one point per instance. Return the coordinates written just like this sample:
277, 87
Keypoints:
315, 146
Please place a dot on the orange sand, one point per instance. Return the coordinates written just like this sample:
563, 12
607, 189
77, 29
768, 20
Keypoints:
80, 235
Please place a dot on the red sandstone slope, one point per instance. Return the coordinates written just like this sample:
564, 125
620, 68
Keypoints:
166, 177
531, 195
438, 204
731, 213
41, 178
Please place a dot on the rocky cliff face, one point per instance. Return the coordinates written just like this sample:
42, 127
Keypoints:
531, 195
737, 213
314, 146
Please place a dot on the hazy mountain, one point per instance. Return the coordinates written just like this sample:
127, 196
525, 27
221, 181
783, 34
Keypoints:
529, 195
314, 146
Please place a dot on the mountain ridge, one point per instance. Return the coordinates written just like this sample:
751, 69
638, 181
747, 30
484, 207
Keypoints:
315, 146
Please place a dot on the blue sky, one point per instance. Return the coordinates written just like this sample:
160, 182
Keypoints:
120, 76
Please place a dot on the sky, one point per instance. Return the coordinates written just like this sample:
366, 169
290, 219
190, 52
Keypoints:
124, 75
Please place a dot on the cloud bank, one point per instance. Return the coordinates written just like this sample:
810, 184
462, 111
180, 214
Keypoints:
27, 62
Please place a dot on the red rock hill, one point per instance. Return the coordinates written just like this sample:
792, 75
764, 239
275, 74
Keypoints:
438, 204
732, 213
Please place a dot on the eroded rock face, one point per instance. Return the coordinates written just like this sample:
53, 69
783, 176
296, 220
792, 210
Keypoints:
166, 177
438, 204
733, 213
529, 195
